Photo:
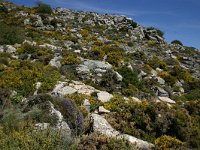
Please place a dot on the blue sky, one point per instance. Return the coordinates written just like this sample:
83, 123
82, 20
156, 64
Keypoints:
179, 19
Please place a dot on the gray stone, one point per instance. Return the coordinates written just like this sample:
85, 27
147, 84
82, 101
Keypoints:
104, 96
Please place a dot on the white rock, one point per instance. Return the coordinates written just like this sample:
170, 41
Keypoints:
1, 48
10, 49
118, 76
77, 51
103, 110
154, 73
61, 123
42, 126
161, 81
55, 62
167, 100
37, 86
87, 104
104, 96
135, 99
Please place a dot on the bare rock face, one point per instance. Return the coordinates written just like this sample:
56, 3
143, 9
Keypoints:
102, 126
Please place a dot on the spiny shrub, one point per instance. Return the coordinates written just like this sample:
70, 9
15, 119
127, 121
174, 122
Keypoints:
10, 35
44, 8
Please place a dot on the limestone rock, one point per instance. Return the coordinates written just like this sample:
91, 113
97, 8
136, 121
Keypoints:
103, 110
10, 49
135, 99
167, 100
104, 96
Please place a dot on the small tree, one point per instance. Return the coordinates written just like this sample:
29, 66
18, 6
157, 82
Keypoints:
177, 42
43, 8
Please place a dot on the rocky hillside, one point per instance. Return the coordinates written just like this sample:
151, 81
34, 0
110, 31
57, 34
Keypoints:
101, 81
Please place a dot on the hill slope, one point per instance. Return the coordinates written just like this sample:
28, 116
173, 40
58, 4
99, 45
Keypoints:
59, 67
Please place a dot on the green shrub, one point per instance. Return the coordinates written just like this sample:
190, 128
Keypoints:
130, 77
44, 8
10, 34
177, 42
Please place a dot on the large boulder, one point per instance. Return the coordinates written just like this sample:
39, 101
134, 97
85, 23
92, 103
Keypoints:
102, 126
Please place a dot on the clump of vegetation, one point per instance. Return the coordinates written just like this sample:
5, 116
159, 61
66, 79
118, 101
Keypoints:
177, 42
155, 62
44, 8
130, 77
70, 59
10, 35
168, 142
21, 76
149, 121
